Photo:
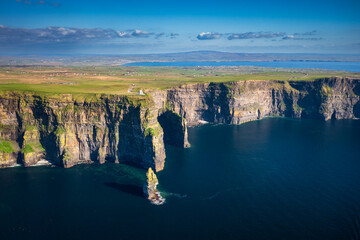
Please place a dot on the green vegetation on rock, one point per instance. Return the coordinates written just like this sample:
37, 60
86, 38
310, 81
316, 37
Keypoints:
297, 108
29, 127
27, 149
149, 131
326, 90
60, 130
6, 147
32, 147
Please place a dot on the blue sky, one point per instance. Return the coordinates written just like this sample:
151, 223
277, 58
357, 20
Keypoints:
118, 27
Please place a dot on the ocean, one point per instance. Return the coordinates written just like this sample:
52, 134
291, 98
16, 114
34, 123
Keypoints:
275, 178
341, 66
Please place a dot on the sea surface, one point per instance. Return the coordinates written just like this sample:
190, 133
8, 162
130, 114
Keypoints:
276, 178
341, 66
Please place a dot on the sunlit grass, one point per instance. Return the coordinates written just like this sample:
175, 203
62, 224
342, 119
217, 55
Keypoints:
128, 80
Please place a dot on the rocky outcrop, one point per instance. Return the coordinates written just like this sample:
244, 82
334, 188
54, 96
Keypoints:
150, 188
69, 130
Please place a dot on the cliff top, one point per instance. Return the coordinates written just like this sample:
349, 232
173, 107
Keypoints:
130, 80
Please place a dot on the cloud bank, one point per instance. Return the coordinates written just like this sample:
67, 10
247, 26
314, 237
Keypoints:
62, 34
294, 37
174, 35
252, 35
208, 36
45, 3
306, 36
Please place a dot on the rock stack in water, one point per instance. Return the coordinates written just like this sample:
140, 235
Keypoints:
150, 190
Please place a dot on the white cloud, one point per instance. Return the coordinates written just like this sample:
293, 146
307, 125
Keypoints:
208, 36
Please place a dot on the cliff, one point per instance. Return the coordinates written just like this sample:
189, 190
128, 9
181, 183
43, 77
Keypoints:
68, 130
238, 102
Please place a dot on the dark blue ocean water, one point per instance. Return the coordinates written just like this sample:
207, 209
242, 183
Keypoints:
342, 66
271, 179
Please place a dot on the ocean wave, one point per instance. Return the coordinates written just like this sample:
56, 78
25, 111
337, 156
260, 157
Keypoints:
178, 195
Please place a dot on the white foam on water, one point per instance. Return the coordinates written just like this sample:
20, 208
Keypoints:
43, 162
202, 122
15, 165
178, 195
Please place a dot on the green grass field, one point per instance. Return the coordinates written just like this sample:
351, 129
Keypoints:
129, 80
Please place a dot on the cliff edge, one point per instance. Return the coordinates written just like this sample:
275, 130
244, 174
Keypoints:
67, 130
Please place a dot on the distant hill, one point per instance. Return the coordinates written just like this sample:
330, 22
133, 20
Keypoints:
109, 60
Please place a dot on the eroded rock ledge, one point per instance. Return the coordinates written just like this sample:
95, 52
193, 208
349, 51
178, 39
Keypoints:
68, 130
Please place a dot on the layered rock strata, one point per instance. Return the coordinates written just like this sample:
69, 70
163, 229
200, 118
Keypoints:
69, 130
242, 101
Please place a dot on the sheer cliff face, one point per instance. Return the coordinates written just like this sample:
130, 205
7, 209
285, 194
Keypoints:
243, 101
67, 131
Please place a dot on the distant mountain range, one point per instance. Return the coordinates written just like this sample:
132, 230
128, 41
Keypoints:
109, 60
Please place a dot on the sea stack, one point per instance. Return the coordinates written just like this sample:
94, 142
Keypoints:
150, 189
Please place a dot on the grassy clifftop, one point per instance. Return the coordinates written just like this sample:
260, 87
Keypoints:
129, 80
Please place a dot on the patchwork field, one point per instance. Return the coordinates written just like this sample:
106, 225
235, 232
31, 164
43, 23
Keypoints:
129, 80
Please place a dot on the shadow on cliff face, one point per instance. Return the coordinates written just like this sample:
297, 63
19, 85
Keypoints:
127, 188
173, 127
357, 110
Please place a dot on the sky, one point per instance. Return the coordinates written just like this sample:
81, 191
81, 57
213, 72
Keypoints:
159, 26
